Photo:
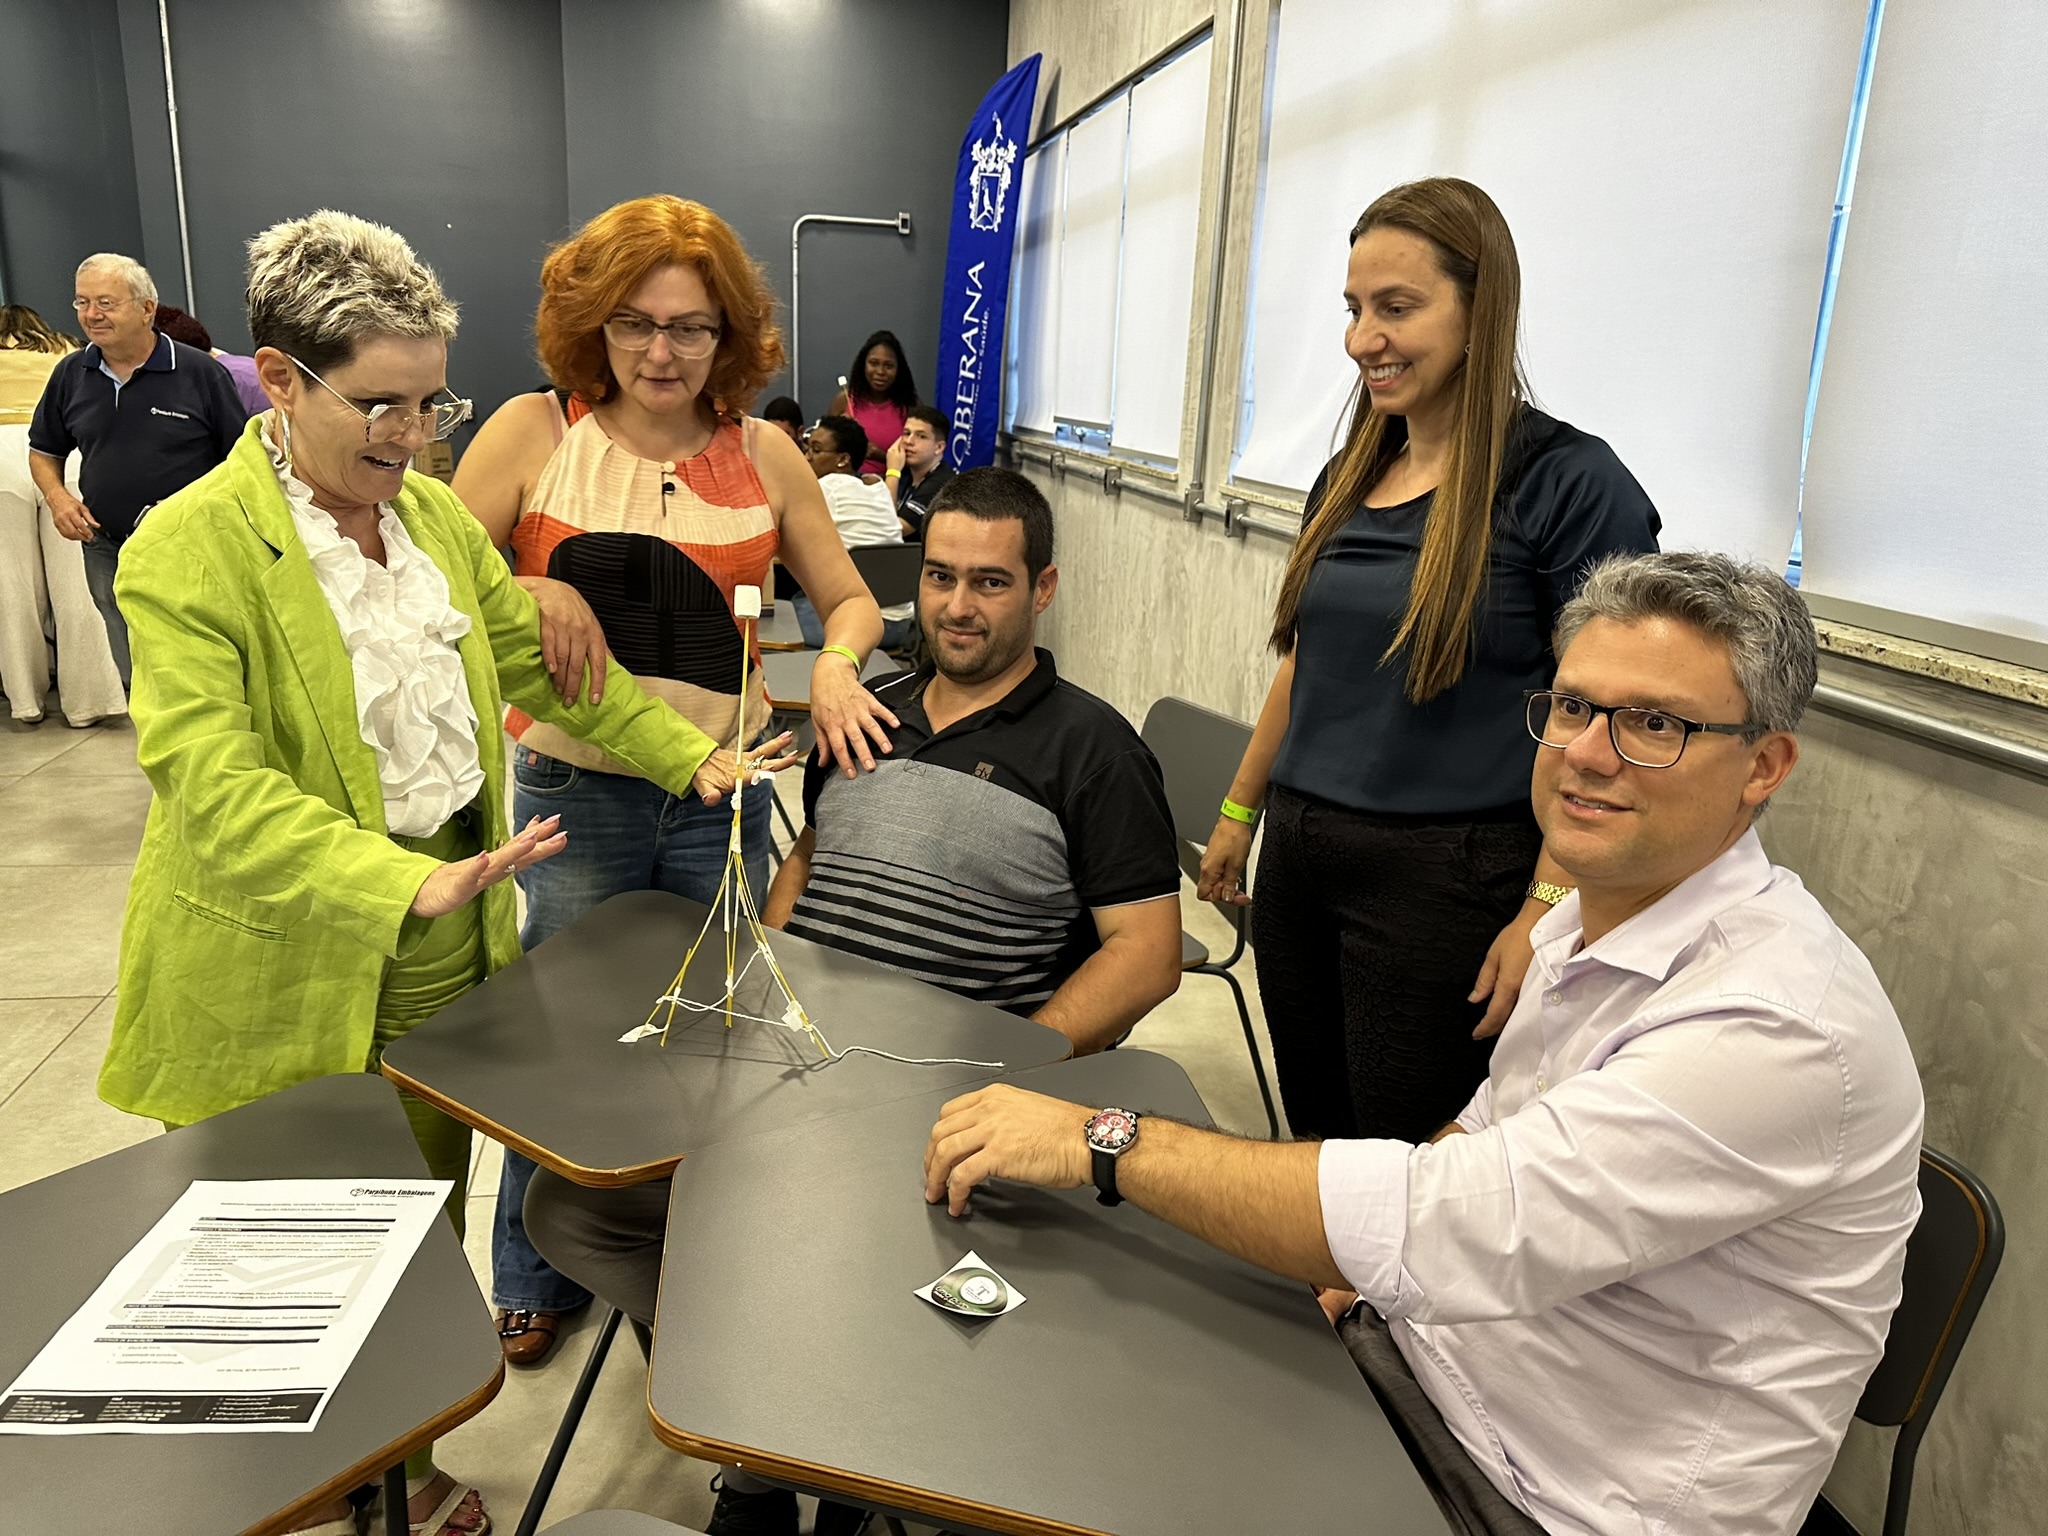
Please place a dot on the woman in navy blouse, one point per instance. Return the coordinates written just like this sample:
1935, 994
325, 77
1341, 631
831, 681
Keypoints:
1402, 868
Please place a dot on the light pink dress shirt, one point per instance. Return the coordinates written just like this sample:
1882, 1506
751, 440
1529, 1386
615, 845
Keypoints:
1646, 1290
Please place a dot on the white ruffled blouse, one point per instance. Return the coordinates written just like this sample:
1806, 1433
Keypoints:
412, 701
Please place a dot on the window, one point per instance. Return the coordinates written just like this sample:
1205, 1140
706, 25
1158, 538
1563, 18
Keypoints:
1104, 282
1035, 280
1667, 172
1927, 480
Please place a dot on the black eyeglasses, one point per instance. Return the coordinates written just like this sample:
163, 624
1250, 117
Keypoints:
1649, 738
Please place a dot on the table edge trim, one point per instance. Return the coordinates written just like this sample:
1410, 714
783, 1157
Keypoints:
576, 1173
858, 1486
373, 1466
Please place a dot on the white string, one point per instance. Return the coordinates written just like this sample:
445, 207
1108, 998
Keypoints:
831, 1055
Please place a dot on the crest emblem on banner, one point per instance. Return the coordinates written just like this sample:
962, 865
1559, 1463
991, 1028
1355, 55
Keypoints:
990, 181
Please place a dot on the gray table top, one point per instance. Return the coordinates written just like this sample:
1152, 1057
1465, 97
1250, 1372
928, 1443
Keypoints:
788, 675
1150, 1385
779, 630
532, 1057
431, 1362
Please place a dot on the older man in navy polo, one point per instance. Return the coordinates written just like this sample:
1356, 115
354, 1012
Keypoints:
148, 415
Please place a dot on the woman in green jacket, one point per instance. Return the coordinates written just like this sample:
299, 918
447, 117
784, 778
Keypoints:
320, 640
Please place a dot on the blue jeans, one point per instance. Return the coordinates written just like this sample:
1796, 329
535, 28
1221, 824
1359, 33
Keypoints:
102, 559
625, 834
895, 632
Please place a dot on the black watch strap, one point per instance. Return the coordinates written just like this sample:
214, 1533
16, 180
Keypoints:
1105, 1177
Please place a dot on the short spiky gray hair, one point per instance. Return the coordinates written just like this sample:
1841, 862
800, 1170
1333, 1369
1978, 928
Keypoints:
140, 284
319, 287
1748, 608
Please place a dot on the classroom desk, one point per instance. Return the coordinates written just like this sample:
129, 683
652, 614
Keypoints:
788, 676
431, 1362
532, 1057
778, 629
1149, 1386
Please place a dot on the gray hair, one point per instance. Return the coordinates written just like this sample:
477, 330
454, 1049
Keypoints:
140, 284
319, 287
1748, 608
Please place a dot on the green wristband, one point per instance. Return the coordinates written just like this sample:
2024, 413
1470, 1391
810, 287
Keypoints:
1236, 812
843, 650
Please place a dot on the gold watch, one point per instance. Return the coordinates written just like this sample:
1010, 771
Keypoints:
1550, 895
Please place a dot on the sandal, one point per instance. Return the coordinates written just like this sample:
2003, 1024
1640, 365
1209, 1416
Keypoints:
438, 1523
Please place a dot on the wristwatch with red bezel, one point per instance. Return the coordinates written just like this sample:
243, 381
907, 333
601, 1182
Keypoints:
1110, 1134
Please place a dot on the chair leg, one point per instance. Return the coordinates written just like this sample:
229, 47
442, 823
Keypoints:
572, 1416
397, 1516
1899, 1496
782, 814
1251, 1043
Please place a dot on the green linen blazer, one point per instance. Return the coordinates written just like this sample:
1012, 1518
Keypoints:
268, 898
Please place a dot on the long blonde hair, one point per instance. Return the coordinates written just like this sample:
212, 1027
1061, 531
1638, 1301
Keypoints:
23, 330
1477, 253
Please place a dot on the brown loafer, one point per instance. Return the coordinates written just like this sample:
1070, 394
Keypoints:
527, 1337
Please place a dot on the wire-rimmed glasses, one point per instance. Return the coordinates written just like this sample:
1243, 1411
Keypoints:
691, 340
1648, 738
390, 423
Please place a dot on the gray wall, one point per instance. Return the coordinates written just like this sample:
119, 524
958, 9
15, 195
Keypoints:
765, 112
67, 172
443, 120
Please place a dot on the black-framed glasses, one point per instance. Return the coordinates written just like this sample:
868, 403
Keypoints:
691, 340
391, 423
1648, 738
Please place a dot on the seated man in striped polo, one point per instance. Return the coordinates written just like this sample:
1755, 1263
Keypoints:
1013, 845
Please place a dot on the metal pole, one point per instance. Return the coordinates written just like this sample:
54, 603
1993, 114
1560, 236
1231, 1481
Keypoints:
901, 224
163, 27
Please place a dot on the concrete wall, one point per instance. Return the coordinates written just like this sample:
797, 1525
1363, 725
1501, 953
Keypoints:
484, 130
444, 121
67, 170
1932, 861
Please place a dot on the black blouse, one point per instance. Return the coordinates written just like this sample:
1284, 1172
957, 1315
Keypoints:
1353, 739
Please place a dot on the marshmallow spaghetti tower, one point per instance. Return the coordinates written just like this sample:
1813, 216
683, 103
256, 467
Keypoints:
734, 902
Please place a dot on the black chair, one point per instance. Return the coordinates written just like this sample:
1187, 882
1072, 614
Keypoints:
1198, 751
892, 571
1950, 1261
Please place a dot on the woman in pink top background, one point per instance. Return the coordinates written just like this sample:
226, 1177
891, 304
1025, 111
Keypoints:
879, 394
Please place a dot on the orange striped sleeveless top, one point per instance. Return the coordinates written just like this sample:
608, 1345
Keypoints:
656, 549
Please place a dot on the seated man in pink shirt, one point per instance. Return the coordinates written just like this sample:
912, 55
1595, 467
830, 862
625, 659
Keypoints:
1645, 1274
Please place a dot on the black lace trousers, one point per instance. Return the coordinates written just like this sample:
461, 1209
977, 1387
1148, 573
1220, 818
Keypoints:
1368, 932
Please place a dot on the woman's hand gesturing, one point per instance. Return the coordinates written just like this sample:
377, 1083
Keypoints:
452, 886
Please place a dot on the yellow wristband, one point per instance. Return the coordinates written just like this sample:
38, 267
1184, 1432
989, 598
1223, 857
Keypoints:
1236, 812
894, 474
842, 650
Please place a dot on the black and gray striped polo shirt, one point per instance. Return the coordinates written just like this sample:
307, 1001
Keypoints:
973, 858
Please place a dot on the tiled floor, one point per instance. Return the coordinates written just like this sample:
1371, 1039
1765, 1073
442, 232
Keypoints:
71, 811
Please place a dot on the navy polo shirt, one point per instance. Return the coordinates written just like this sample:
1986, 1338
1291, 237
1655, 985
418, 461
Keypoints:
973, 858
175, 419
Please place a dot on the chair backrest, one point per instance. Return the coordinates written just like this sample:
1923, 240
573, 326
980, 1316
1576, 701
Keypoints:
1198, 751
1950, 1261
892, 571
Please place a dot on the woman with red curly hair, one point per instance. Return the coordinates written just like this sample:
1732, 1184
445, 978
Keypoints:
635, 496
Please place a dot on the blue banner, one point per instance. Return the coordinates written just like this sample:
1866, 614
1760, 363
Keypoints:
984, 233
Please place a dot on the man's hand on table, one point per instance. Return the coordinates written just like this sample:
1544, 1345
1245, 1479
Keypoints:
1003, 1132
